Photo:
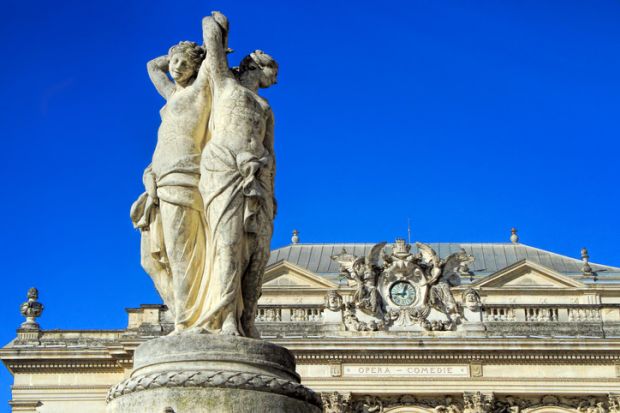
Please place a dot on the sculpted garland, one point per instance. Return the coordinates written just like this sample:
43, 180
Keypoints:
206, 216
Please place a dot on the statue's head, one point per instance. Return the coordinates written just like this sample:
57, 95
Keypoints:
185, 59
260, 64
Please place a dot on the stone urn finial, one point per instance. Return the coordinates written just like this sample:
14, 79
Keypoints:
31, 309
514, 238
585, 257
295, 237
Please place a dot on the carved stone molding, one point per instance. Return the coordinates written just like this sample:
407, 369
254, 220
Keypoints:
475, 369
613, 403
587, 404
335, 368
25, 405
213, 378
336, 402
478, 402
528, 357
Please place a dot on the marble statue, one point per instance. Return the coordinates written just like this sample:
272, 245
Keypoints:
206, 215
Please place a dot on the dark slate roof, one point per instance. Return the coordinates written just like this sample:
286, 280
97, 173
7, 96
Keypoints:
489, 257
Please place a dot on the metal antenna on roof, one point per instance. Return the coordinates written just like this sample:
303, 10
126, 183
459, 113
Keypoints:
408, 231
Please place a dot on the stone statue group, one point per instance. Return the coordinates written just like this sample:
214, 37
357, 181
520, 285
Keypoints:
206, 216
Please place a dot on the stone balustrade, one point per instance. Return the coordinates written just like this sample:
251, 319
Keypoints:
524, 313
546, 313
289, 313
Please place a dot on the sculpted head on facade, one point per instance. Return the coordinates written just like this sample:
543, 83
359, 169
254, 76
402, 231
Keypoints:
184, 60
333, 300
471, 300
258, 67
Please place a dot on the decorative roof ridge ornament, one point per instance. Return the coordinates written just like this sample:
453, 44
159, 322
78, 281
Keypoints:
295, 237
586, 269
514, 238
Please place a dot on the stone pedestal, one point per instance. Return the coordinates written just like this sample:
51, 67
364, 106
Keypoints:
205, 373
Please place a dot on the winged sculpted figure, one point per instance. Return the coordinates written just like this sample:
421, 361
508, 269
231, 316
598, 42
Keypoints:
443, 274
364, 272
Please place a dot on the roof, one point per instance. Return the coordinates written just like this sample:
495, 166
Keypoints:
489, 257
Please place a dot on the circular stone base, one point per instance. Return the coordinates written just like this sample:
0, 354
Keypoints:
212, 373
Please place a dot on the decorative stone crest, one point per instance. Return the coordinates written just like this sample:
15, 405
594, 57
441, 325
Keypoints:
405, 291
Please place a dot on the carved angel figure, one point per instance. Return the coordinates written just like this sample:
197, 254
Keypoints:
441, 275
363, 271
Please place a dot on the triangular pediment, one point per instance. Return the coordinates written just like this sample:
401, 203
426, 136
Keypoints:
285, 275
528, 275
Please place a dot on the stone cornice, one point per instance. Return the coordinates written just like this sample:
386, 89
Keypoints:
73, 366
103, 388
470, 344
465, 357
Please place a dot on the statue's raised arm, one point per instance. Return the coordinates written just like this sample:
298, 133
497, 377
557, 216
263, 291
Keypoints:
215, 35
158, 69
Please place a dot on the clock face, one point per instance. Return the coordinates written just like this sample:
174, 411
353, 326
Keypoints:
402, 293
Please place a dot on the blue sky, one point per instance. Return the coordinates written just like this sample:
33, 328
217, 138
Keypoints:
467, 117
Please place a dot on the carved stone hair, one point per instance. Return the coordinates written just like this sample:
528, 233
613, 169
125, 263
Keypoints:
195, 52
257, 58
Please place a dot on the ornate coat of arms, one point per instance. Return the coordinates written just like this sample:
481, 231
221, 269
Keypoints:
401, 290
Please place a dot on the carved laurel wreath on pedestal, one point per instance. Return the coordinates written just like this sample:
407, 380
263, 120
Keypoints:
213, 378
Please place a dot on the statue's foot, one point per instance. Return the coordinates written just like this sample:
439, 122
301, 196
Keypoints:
230, 330
177, 331
196, 330
251, 331
229, 327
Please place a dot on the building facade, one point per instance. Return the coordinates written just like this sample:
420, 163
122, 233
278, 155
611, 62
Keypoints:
441, 328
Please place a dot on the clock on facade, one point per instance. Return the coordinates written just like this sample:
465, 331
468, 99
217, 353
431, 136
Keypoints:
402, 293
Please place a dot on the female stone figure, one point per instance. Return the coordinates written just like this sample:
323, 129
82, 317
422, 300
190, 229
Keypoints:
170, 213
236, 183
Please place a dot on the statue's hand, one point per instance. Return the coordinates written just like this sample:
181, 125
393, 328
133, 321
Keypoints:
221, 20
150, 183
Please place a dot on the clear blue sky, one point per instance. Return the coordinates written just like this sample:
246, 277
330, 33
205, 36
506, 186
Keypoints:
468, 117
